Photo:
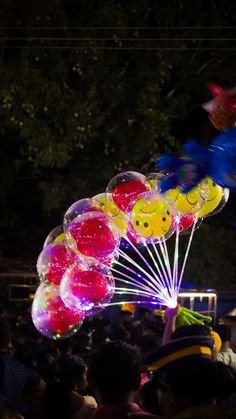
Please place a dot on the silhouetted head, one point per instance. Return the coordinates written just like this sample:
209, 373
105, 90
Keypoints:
114, 372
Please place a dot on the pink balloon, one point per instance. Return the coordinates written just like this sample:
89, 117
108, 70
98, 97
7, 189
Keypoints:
53, 261
86, 288
51, 317
93, 236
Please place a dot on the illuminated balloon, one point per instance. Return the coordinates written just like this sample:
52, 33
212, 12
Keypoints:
152, 217
125, 187
216, 199
84, 289
105, 203
188, 203
53, 261
51, 317
186, 222
93, 235
56, 235
78, 208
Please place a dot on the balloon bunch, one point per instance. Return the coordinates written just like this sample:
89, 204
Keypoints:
81, 259
218, 161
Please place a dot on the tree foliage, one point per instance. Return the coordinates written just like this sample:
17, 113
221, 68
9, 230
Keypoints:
91, 88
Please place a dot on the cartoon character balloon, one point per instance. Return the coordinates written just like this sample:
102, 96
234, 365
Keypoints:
151, 217
216, 199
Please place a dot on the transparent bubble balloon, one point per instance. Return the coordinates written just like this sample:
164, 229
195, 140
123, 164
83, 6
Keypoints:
105, 203
85, 289
55, 236
53, 261
188, 203
78, 208
51, 317
152, 218
125, 187
216, 199
94, 236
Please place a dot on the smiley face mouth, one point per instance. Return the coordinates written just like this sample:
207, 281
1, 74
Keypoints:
212, 199
147, 212
191, 203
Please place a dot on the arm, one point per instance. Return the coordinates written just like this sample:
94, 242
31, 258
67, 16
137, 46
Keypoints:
170, 318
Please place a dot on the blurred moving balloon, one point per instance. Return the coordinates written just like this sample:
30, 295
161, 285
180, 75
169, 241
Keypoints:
105, 203
223, 159
56, 235
51, 317
84, 289
125, 187
93, 235
222, 109
53, 261
151, 217
216, 199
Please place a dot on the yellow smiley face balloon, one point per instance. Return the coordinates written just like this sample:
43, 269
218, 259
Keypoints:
105, 203
216, 195
190, 202
151, 216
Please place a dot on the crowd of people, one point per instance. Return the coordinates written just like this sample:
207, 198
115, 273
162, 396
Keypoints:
133, 367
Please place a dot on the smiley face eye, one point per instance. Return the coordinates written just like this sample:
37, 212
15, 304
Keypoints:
168, 212
145, 225
164, 219
213, 184
137, 223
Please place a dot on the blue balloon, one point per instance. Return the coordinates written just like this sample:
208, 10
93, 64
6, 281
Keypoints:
223, 159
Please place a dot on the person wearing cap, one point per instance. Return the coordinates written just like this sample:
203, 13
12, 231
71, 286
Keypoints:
184, 379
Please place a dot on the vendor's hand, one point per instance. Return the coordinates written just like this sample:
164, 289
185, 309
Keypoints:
171, 313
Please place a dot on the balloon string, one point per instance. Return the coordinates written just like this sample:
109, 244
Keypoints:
176, 259
166, 279
161, 274
154, 279
187, 253
124, 290
143, 258
163, 244
132, 262
132, 280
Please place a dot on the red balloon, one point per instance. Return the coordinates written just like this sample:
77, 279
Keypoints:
61, 318
125, 193
185, 222
59, 261
90, 286
93, 237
